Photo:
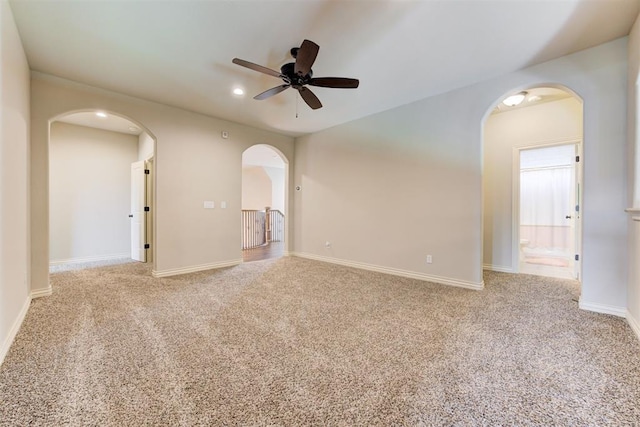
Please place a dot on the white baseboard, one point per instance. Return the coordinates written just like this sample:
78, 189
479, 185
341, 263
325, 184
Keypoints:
634, 323
90, 259
498, 268
14, 330
603, 308
195, 268
393, 271
41, 292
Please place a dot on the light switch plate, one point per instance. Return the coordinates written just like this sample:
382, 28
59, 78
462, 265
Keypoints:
223, 205
209, 204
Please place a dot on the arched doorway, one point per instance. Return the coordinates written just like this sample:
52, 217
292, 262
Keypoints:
100, 190
264, 195
532, 183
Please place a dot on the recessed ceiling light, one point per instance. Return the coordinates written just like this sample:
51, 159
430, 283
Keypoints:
101, 114
534, 98
513, 100
238, 91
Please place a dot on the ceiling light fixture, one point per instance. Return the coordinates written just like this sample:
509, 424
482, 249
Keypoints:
101, 114
513, 100
238, 91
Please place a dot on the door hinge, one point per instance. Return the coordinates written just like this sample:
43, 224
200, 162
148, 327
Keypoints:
146, 246
577, 257
146, 171
577, 208
146, 208
577, 159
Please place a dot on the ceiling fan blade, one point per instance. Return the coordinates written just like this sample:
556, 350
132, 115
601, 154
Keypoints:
256, 67
273, 91
308, 96
335, 82
306, 57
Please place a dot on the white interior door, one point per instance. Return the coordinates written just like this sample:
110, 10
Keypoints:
548, 217
137, 215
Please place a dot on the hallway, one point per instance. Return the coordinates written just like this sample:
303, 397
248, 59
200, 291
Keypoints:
270, 250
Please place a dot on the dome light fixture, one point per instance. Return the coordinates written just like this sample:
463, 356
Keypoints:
513, 100
238, 91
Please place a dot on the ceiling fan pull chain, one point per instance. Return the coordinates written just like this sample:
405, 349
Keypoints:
297, 99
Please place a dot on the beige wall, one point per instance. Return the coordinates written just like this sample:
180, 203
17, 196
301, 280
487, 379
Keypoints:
193, 163
89, 192
550, 122
256, 188
389, 189
633, 287
14, 184
146, 146
263, 186
277, 187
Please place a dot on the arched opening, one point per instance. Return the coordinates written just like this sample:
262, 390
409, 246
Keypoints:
635, 197
532, 182
264, 200
101, 190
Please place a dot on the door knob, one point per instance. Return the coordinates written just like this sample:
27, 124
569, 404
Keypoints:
568, 217
130, 216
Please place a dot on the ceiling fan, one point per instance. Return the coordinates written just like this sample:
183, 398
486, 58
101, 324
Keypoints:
298, 74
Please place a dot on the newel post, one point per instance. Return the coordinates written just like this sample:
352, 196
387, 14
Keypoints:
267, 224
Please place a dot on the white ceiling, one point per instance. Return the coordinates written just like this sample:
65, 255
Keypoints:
179, 52
262, 155
109, 122
535, 96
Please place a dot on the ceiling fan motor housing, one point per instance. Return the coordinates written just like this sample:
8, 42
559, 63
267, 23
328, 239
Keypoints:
290, 76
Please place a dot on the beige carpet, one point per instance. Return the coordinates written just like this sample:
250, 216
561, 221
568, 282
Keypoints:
298, 342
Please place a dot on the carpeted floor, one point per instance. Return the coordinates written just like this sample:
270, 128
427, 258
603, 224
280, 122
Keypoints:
297, 342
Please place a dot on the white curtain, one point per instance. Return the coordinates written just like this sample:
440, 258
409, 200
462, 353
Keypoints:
546, 198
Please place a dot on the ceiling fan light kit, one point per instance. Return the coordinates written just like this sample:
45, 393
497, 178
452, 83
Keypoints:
299, 74
513, 100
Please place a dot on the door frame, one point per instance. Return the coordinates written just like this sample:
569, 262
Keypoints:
150, 216
287, 170
147, 218
138, 214
515, 198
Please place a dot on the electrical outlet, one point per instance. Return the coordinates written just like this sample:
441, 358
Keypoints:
429, 259
327, 244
